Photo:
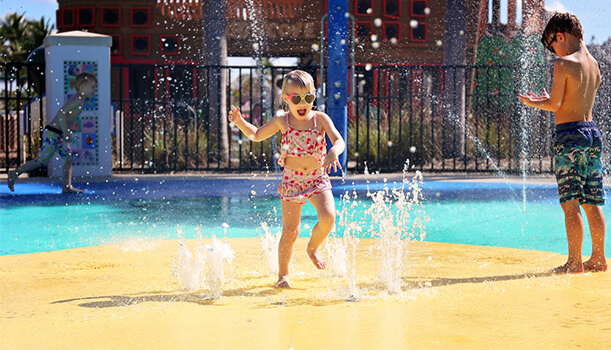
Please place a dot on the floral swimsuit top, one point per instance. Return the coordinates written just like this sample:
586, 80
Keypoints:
302, 143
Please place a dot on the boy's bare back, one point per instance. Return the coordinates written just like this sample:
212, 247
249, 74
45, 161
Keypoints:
71, 110
576, 73
581, 77
86, 85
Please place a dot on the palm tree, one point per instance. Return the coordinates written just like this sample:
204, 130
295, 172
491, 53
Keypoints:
12, 34
36, 31
19, 36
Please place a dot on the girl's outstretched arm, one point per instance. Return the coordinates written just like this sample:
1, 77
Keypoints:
252, 132
332, 158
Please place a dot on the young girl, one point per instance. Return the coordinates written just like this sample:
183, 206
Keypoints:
306, 164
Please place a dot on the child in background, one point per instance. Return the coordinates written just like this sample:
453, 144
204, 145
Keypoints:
578, 145
306, 165
57, 136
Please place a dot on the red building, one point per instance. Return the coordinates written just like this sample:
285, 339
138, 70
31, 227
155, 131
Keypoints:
386, 31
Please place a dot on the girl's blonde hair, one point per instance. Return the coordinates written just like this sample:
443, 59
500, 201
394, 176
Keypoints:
298, 78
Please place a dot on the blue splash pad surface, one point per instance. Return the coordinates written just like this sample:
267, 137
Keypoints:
37, 217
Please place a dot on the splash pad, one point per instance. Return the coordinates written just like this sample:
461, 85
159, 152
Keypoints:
452, 295
394, 219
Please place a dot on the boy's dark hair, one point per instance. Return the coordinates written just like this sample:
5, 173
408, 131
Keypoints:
84, 77
563, 23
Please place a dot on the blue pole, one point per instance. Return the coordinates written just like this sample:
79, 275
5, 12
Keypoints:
337, 69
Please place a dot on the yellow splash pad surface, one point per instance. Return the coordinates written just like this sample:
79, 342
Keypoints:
453, 297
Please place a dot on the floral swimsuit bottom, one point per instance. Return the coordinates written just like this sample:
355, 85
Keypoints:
299, 186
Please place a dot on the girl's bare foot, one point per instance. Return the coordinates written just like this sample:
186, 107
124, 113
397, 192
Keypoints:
70, 189
12, 176
568, 268
595, 265
283, 282
318, 262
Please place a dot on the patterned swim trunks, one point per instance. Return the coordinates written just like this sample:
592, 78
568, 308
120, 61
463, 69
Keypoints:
299, 186
52, 143
578, 163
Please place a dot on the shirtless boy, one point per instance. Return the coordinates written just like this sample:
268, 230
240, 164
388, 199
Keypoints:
57, 135
578, 144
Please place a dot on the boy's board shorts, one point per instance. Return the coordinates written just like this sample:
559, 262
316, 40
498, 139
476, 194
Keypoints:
578, 163
52, 143
299, 186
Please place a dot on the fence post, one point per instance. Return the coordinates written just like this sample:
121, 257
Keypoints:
214, 55
66, 55
454, 79
337, 71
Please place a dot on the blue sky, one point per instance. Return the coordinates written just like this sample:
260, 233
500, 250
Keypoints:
594, 14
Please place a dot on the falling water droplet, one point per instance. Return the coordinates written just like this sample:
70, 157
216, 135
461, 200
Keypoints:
413, 23
377, 22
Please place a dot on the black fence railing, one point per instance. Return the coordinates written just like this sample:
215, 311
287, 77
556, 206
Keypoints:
173, 118
181, 123
413, 114
21, 108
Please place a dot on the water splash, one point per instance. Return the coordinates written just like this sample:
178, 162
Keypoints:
395, 217
189, 271
269, 247
484, 152
217, 254
342, 251
205, 268
393, 227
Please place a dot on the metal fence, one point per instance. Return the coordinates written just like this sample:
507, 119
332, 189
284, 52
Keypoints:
21, 107
179, 124
173, 118
413, 114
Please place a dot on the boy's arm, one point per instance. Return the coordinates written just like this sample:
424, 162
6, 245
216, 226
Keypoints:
252, 132
553, 101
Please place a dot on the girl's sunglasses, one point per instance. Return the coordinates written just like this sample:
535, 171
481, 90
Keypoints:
296, 99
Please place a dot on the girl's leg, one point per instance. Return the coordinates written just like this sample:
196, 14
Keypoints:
325, 208
291, 219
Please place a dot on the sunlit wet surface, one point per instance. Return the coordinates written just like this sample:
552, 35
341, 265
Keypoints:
451, 295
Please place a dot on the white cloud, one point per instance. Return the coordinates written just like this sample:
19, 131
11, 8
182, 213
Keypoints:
556, 6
